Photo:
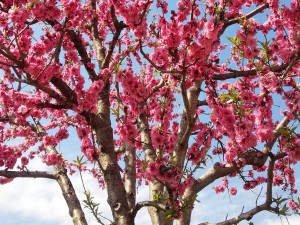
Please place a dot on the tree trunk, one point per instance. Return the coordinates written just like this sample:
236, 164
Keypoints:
70, 196
101, 124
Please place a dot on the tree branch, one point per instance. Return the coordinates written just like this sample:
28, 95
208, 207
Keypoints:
265, 206
80, 49
154, 187
27, 174
83, 54
268, 147
250, 157
119, 26
236, 74
244, 216
146, 138
256, 158
100, 49
65, 184
160, 69
186, 124
202, 103
140, 205
248, 16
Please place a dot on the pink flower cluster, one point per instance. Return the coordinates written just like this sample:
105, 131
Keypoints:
4, 180
132, 13
290, 144
162, 172
293, 205
221, 188
133, 88
52, 159
88, 149
88, 101
8, 156
127, 131
197, 151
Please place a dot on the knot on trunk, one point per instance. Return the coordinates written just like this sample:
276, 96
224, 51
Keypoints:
117, 206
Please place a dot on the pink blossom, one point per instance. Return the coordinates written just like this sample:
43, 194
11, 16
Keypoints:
293, 205
277, 180
24, 161
219, 189
52, 159
4, 180
232, 191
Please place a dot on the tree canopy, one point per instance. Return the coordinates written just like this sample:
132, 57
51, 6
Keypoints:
174, 95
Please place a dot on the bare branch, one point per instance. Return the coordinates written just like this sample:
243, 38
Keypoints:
65, 90
270, 181
248, 16
51, 106
140, 205
202, 103
119, 26
65, 184
290, 66
150, 155
45, 89
158, 86
59, 43
27, 174
244, 216
236, 74
268, 147
185, 99
146, 137
265, 206
141, 17
83, 54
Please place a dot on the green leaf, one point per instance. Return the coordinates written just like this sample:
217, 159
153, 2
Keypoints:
232, 95
79, 161
234, 40
225, 97
282, 200
210, 157
116, 112
157, 196
284, 210
283, 131
265, 45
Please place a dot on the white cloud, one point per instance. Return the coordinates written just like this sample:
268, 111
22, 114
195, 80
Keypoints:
39, 201
36, 201
275, 220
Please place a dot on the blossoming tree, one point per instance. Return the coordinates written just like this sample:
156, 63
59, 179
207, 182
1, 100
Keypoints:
156, 91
